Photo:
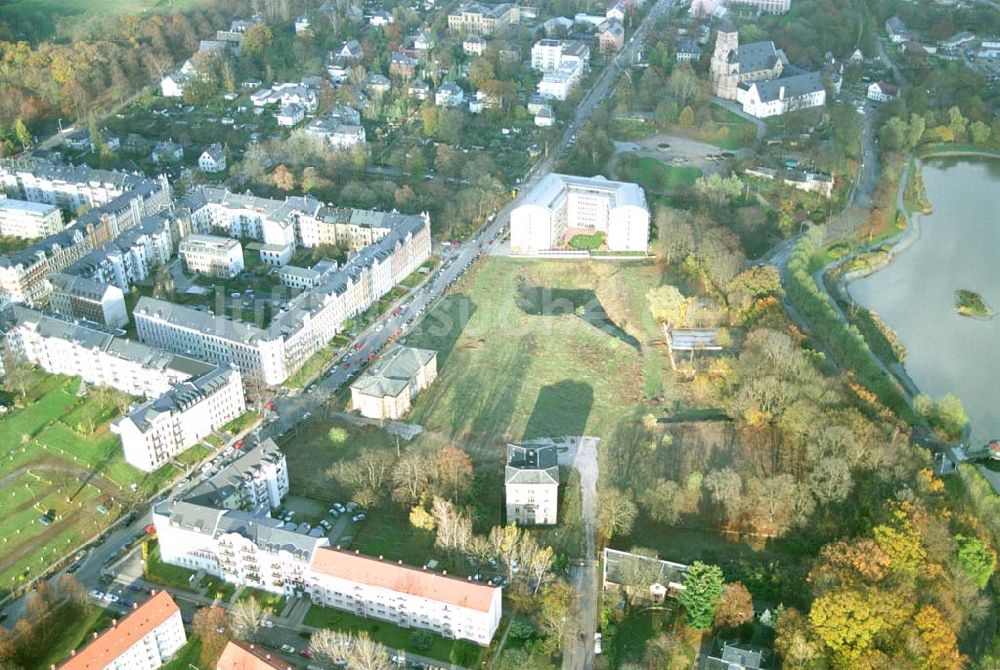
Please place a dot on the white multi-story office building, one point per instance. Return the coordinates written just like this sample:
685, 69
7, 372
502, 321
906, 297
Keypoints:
405, 596
561, 206
25, 219
144, 639
64, 347
531, 485
212, 255
159, 429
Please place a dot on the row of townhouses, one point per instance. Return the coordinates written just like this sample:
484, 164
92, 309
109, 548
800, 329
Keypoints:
117, 201
223, 527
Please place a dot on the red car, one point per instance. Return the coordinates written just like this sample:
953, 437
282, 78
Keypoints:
371, 356
307, 653
270, 405
357, 347
238, 444
398, 311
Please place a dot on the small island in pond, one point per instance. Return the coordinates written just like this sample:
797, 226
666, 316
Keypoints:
970, 303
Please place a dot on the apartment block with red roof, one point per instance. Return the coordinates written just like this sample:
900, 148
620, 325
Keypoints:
245, 656
144, 640
408, 597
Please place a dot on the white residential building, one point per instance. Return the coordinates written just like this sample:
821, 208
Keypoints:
559, 83
212, 159
211, 255
144, 639
773, 97
159, 429
337, 131
387, 388
561, 206
474, 45
29, 220
290, 115
240, 547
531, 485
258, 479
547, 55
89, 299
64, 347
880, 91
238, 655
449, 95
408, 597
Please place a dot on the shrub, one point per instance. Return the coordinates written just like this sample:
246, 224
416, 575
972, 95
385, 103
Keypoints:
421, 641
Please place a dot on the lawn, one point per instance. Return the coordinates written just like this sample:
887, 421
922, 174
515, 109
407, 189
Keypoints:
270, 601
419, 274
389, 534
310, 454
186, 657
455, 651
655, 175
58, 455
158, 572
529, 349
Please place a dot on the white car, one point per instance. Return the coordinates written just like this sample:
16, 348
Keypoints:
111, 597
340, 508
360, 516
379, 327
94, 593
267, 623
288, 649
597, 643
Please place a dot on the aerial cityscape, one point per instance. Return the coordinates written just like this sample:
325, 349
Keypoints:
425, 335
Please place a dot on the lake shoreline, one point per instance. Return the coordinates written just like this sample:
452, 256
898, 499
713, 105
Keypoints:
905, 294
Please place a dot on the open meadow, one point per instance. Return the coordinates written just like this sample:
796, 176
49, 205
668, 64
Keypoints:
62, 475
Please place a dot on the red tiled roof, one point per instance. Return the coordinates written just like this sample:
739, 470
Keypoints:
245, 656
404, 579
115, 641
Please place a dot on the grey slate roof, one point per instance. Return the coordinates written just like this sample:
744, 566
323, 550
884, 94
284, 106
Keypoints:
796, 85
390, 376
181, 396
221, 486
756, 56
532, 465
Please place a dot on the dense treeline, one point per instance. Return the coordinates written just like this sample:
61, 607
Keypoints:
845, 342
49, 81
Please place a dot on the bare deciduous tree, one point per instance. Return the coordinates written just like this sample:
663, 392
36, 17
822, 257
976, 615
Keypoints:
246, 617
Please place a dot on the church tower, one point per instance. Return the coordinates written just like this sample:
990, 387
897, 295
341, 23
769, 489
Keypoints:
725, 62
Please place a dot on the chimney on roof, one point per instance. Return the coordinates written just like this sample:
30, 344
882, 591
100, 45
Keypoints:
135, 606
251, 646
444, 572
380, 557
94, 635
114, 622
356, 552
399, 562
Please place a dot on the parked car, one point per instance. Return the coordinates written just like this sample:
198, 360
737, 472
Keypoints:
307, 653
350, 507
333, 512
73, 568
288, 649
111, 598
360, 516
340, 508
94, 593
267, 623
597, 643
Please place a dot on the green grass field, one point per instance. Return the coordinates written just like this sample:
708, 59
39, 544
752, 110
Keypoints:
655, 175
75, 626
389, 534
58, 456
530, 349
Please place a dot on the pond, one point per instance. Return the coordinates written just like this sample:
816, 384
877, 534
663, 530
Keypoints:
958, 248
